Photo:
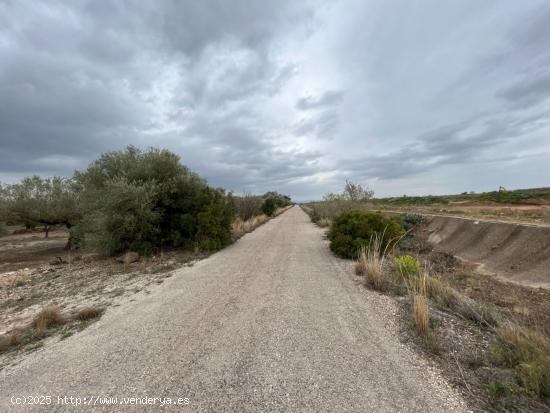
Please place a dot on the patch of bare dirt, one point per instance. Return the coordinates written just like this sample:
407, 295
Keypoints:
26, 249
519, 253
36, 273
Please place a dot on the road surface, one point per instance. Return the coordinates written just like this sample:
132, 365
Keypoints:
272, 323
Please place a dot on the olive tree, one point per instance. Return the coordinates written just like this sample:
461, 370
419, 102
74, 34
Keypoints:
42, 201
144, 200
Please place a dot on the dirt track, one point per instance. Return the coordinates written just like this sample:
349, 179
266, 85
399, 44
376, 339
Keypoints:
272, 323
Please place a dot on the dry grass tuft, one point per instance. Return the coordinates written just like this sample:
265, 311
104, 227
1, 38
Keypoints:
528, 353
443, 294
48, 317
418, 293
421, 314
370, 263
324, 222
241, 227
11, 340
88, 313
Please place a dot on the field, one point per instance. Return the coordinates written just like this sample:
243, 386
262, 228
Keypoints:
525, 205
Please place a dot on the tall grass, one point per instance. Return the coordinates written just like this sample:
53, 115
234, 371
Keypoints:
241, 226
417, 286
370, 263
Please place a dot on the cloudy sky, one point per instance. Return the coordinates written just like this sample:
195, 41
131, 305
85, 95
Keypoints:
408, 97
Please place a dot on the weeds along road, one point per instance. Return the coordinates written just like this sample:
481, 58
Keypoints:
271, 323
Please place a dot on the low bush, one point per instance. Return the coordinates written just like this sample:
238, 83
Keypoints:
355, 229
410, 220
269, 206
407, 265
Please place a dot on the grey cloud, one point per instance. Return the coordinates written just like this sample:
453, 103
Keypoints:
527, 93
330, 98
228, 86
321, 126
447, 145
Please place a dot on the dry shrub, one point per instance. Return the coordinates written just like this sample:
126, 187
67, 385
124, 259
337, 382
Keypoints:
12, 339
324, 222
48, 317
88, 313
528, 353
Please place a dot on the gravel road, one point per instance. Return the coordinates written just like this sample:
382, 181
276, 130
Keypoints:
272, 323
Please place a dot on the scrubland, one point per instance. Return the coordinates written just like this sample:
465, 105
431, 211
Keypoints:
490, 338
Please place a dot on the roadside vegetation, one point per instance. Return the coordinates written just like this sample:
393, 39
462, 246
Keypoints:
47, 322
142, 207
352, 230
491, 338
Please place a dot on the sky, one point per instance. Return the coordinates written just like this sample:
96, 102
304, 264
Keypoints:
406, 97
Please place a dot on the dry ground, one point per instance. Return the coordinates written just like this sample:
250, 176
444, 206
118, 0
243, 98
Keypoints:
526, 214
29, 283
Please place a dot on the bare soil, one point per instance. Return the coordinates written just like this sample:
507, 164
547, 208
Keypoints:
30, 281
517, 253
22, 250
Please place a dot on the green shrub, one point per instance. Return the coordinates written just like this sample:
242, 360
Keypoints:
410, 220
143, 200
269, 206
353, 229
123, 218
407, 265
